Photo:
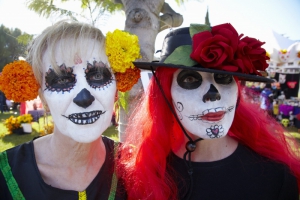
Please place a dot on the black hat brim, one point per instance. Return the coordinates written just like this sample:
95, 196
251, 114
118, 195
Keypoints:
241, 76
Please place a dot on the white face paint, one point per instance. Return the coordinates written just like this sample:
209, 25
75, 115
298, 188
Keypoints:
204, 102
81, 99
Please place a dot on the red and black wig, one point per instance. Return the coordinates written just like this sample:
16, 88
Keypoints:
153, 131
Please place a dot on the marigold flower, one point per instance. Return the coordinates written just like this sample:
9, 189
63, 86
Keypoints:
125, 81
122, 48
17, 81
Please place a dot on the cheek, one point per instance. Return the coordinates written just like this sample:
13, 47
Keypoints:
57, 101
229, 94
106, 96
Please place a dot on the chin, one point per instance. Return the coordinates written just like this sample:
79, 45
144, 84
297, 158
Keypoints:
85, 138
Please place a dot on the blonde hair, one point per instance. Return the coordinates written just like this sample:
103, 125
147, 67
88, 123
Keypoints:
72, 38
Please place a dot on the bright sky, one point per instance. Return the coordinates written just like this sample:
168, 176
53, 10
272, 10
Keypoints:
254, 18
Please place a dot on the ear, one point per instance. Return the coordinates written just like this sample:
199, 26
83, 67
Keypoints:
44, 102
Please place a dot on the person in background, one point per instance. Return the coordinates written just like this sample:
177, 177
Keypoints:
266, 99
78, 86
194, 135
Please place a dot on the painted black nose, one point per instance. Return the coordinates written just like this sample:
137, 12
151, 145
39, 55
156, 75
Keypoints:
212, 94
84, 98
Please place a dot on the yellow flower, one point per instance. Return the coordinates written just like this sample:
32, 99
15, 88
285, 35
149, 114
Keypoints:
17, 81
27, 118
122, 48
12, 123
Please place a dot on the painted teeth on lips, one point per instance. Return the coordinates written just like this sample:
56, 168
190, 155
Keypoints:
213, 114
85, 117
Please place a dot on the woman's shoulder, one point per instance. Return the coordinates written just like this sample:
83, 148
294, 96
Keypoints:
19, 153
264, 165
110, 144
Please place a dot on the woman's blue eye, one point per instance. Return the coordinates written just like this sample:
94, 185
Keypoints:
64, 82
98, 75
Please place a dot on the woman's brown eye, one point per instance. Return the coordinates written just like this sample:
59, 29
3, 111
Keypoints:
189, 80
224, 79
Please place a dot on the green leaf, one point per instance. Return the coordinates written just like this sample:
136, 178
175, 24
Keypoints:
123, 100
197, 28
181, 56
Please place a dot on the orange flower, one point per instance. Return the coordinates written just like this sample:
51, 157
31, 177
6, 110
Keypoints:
125, 81
17, 81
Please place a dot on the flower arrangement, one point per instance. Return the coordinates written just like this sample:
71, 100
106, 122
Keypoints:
27, 118
122, 48
223, 48
15, 122
17, 81
12, 123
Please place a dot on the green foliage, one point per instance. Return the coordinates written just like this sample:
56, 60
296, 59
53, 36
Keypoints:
96, 8
24, 39
197, 28
10, 48
46, 8
123, 100
181, 56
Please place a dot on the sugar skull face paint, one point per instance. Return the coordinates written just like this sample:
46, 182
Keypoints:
204, 102
81, 95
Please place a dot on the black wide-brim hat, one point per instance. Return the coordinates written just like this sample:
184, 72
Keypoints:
180, 41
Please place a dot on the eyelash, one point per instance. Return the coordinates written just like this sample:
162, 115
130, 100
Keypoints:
52, 80
98, 68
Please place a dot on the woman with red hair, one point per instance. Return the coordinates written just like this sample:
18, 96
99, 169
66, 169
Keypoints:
195, 136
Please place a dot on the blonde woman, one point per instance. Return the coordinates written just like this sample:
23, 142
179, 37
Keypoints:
78, 87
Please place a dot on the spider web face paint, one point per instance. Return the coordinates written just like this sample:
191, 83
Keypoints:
204, 102
64, 82
81, 98
98, 75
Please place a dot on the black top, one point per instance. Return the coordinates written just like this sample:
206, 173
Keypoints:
24, 169
242, 175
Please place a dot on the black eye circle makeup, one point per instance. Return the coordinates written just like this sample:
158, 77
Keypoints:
189, 80
98, 75
63, 82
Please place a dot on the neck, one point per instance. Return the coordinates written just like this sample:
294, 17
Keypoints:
64, 151
210, 149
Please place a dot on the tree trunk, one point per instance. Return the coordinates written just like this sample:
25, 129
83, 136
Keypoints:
143, 19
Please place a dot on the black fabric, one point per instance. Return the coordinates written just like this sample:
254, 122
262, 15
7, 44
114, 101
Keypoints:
242, 175
24, 168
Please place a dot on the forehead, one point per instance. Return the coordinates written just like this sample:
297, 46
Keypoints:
68, 51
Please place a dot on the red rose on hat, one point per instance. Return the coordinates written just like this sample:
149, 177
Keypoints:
250, 57
216, 49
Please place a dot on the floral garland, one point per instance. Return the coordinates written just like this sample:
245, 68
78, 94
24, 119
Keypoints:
17, 81
122, 48
224, 49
